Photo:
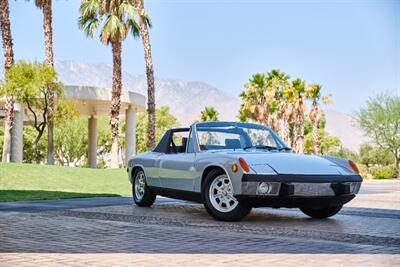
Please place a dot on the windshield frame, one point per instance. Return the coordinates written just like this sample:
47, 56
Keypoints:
280, 144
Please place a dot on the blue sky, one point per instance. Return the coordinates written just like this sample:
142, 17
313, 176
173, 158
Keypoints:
352, 48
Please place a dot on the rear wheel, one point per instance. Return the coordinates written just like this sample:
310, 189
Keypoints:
218, 198
322, 212
141, 193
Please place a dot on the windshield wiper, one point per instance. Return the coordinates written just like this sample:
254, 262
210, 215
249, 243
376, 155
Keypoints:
285, 149
261, 147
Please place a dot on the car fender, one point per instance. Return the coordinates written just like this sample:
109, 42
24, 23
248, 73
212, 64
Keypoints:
225, 164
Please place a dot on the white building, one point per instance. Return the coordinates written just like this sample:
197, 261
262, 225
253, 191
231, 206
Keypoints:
90, 102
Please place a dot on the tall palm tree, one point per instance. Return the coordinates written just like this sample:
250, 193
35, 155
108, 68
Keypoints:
151, 102
8, 62
313, 92
298, 116
255, 100
277, 81
45, 6
209, 114
286, 110
115, 19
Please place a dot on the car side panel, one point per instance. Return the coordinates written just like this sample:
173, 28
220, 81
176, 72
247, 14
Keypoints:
149, 162
177, 171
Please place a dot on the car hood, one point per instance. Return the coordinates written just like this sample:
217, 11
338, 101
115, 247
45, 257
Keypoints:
289, 163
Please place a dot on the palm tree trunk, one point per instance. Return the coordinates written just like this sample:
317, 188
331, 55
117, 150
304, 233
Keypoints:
314, 122
287, 114
8, 62
300, 113
294, 135
48, 41
151, 105
115, 101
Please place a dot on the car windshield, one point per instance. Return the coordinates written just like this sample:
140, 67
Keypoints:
237, 136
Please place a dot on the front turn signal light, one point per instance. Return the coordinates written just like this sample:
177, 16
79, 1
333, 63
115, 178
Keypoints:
353, 166
244, 165
234, 167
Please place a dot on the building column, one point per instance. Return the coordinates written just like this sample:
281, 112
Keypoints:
92, 142
130, 134
17, 136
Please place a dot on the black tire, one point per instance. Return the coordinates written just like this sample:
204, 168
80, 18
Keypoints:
237, 214
322, 212
148, 197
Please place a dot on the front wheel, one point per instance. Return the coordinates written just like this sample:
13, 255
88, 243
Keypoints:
322, 212
142, 195
218, 198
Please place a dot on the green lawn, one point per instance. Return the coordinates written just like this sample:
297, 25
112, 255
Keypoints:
31, 182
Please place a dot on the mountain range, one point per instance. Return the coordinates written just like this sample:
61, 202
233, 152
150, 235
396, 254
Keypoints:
186, 98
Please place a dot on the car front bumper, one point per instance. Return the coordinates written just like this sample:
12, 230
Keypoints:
298, 190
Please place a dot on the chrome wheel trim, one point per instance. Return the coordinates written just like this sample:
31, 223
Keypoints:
139, 185
221, 194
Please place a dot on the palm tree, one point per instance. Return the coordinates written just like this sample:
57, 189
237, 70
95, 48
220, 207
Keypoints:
151, 105
298, 116
8, 62
115, 19
209, 114
277, 81
254, 100
45, 6
286, 110
313, 92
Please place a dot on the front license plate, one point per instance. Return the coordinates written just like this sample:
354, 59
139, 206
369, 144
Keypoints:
313, 189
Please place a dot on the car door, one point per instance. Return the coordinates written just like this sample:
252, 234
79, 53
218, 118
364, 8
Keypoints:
177, 168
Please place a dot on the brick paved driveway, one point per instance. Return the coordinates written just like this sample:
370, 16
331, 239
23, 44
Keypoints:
109, 232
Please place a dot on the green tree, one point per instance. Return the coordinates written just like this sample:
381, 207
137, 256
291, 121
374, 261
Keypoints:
277, 82
255, 100
342, 152
370, 156
209, 114
274, 99
313, 92
115, 19
164, 120
380, 120
297, 115
261, 99
70, 142
31, 153
328, 145
29, 84
8, 62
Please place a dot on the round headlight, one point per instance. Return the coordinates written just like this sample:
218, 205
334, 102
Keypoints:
264, 188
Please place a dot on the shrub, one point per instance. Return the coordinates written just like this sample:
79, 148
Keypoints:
385, 172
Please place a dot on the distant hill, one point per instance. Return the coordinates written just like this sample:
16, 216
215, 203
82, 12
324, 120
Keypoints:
187, 99
344, 127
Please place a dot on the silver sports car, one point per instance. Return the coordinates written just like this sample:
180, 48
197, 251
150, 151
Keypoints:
232, 167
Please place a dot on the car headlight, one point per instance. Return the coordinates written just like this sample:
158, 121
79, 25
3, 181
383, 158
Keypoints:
268, 188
